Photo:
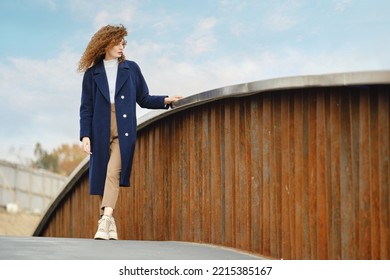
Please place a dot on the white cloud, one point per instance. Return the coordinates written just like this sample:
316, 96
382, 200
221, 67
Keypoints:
105, 16
103, 12
238, 29
164, 24
279, 22
342, 5
39, 102
207, 24
203, 38
101, 18
51, 4
235, 5
283, 15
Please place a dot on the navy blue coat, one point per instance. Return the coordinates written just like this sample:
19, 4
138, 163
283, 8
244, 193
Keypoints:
95, 115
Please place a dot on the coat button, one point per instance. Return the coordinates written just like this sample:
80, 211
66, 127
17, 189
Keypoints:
126, 134
122, 96
124, 115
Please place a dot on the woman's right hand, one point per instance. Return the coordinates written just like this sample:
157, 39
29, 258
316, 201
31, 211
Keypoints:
86, 145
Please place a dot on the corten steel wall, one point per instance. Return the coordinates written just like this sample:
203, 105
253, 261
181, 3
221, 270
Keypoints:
299, 173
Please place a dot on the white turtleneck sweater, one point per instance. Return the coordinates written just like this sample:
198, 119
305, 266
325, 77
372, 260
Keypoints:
111, 67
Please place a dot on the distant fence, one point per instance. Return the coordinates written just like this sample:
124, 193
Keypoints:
30, 189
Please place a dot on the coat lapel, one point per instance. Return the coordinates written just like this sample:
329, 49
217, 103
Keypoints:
101, 80
122, 76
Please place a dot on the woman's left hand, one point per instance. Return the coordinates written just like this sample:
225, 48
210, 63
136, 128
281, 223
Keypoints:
172, 99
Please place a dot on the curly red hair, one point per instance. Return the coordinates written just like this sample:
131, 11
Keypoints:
104, 39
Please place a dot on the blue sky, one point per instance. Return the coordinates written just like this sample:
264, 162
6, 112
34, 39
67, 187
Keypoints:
182, 47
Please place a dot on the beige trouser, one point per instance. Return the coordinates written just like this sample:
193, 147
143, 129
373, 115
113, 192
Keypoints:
111, 186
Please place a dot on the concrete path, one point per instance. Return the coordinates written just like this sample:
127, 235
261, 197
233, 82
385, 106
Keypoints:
47, 248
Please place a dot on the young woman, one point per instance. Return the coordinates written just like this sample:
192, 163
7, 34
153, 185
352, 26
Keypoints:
111, 88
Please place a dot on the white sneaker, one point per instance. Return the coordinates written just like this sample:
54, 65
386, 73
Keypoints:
102, 231
113, 235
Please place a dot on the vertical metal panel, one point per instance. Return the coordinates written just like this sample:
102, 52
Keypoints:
293, 174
